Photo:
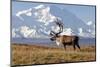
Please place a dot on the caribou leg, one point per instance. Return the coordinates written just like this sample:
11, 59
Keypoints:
74, 47
77, 42
73, 43
78, 46
65, 47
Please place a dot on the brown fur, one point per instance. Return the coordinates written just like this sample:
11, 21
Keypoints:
68, 40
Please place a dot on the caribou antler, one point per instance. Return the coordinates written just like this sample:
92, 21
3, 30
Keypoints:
52, 33
60, 24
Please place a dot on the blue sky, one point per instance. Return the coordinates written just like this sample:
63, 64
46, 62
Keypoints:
79, 18
85, 13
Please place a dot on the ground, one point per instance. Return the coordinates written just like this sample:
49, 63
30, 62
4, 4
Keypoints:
23, 54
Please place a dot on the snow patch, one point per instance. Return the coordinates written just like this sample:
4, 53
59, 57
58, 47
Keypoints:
27, 32
67, 31
42, 14
27, 12
89, 23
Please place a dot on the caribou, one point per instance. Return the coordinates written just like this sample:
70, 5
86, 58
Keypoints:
64, 39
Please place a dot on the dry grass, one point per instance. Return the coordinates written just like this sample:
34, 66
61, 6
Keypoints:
31, 54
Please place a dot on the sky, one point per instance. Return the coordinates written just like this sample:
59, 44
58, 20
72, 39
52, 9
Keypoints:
77, 13
84, 12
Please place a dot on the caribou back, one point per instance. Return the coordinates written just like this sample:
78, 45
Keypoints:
66, 39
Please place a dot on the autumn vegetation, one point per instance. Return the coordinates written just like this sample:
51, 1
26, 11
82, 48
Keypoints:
23, 54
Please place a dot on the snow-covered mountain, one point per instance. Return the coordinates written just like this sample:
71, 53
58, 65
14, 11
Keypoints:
38, 21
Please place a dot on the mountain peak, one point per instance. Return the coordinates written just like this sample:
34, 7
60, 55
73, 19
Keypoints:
39, 21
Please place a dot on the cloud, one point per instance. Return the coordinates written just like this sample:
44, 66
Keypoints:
27, 12
14, 33
43, 14
91, 29
87, 32
80, 30
55, 28
39, 6
83, 33
89, 23
67, 31
27, 32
